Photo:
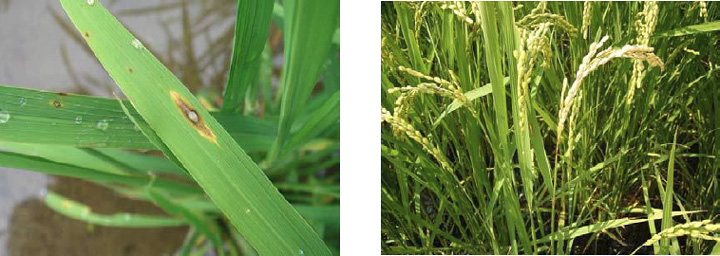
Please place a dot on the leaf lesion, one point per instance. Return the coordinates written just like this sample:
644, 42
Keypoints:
192, 116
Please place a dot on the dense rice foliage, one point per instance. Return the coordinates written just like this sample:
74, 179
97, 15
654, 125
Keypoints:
551, 128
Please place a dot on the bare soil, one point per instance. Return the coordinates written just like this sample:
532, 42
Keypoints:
37, 230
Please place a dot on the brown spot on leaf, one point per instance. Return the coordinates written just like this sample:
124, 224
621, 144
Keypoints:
86, 34
192, 116
57, 104
62, 94
130, 70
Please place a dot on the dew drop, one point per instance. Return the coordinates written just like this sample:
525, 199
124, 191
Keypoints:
301, 252
137, 44
91, 2
102, 125
22, 101
4, 116
136, 128
78, 119
247, 211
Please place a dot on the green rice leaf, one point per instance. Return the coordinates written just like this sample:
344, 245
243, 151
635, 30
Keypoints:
198, 220
471, 95
206, 150
78, 211
278, 15
252, 24
491, 24
42, 165
573, 232
309, 27
716, 249
66, 155
143, 161
65, 119
321, 119
667, 200
331, 71
689, 30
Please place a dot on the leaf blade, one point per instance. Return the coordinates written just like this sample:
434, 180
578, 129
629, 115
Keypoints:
309, 28
79, 211
251, 29
228, 175
689, 30
75, 123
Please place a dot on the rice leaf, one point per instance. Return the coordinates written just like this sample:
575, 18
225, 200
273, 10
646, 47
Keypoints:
494, 60
321, 119
309, 27
143, 162
252, 24
667, 199
716, 249
38, 164
471, 95
571, 232
689, 30
228, 175
198, 220
66, 155
278, 15
65, 119
78, 211
331, 72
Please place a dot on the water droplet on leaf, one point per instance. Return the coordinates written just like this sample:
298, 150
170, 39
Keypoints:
4, 116
91, 2
247, 211
78, 119
102, 125
137, 44
301, 252
22, 101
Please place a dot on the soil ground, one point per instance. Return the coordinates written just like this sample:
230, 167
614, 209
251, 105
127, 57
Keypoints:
37, 230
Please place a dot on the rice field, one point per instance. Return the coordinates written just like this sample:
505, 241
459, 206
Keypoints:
550, 127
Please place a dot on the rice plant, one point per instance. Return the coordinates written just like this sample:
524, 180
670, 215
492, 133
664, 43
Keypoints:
259, 176
550, 127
